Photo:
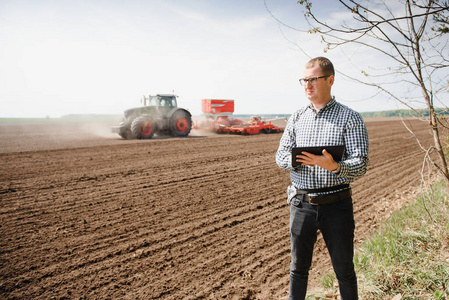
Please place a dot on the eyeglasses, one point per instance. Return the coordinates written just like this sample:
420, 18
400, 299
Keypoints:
311, 80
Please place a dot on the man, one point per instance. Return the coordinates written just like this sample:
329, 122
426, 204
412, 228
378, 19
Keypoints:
320, 195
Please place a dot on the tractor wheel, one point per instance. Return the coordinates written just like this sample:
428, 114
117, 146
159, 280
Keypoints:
143, 127
126, 135
180, 124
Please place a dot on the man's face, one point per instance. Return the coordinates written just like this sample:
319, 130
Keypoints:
321, 91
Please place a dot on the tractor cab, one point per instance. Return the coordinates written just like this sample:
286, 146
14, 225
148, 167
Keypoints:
167, 101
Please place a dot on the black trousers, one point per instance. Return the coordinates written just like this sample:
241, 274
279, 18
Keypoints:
336, 223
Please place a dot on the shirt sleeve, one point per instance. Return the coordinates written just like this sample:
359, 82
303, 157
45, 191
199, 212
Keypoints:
287, 142
357, 146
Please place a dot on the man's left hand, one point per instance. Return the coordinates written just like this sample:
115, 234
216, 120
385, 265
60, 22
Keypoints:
325, 161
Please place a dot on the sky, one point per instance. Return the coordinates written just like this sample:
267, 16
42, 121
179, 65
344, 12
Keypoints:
61, 57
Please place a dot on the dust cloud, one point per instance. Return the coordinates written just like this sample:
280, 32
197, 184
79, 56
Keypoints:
54, 134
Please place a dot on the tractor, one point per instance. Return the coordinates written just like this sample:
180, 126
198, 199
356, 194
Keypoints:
160, 114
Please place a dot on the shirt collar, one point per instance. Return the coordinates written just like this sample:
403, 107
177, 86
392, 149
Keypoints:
329, 105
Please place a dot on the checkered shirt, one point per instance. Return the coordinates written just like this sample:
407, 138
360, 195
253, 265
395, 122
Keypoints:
335, 124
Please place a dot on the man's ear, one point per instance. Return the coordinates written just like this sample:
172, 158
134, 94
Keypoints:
331, 80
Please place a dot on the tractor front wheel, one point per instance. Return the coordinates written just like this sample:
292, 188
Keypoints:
143, 127
126, 134
181, 124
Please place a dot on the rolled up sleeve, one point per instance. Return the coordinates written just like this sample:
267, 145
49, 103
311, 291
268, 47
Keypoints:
357, 146
287, 142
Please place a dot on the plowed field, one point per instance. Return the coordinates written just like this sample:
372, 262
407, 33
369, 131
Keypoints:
87, 215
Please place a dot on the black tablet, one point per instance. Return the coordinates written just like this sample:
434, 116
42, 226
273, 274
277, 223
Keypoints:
336, 152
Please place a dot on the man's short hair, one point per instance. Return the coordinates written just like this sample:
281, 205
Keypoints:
325, 64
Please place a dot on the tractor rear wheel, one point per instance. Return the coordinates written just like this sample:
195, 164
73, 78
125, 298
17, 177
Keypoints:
143, 127
180, 124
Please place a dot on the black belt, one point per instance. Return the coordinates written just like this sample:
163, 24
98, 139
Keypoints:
329, 198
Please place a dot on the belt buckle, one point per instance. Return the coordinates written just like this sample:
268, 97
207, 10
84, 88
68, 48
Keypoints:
310, 199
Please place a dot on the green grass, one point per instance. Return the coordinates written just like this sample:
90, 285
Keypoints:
404, 113
408, 255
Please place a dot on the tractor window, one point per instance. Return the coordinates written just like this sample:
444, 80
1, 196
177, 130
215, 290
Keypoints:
167, 102
154, 101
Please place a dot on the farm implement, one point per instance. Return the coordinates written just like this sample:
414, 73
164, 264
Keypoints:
219, 119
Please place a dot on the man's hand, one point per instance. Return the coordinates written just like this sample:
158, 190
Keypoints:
325, 161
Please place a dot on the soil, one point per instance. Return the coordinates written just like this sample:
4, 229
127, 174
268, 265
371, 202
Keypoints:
85, 214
